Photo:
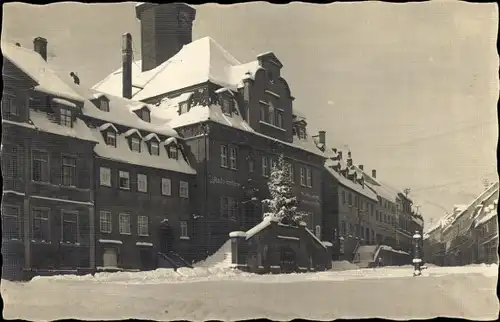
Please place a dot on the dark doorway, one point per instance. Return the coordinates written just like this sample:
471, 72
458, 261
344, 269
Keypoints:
146, 259
166, 238
288, 259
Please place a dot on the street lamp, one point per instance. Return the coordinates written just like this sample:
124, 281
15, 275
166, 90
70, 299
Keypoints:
417, 260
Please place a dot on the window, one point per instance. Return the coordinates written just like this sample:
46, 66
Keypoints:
172, 152
155, 149
302, 176
318, 231
183, 189
104, 105
246, 92
356, 201
124, 180
142, 226
309, 177
250, 165
105, 221
68, 171
302, 133
9, 106
223, 156
65, 117
343, 228
226, 106
11, 222
289, 170
166, 186
279, 119
10, 161
40, 166
344, 198
265, 166
233, 209
264, 113
271, 118
224, 207
183, 107
69, 229
233, 158
135, 145
124, 224
145, 115
142, 182
111, 138
349, 199
41, 230
105, 176
184, 229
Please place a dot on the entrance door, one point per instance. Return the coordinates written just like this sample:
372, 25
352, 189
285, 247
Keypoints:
166, 238
288, 259
146, 259
110, 258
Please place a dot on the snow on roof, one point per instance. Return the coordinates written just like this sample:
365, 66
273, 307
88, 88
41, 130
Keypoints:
382, 192
315, 238
123, 153
297, 112
132, 131
39, 70
64, 102
153, 135
350, 184
197, 62
259, 227
170, 141
105, 126
136, 107
168, 108
79, 130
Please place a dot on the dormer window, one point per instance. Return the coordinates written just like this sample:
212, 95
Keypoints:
145, 115
172, 152
104, 105
155, 148
111, 138
227, 105
65, 117
183, 107
302, 133
135, 144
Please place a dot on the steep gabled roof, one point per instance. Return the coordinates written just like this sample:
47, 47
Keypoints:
197, 62
33, 65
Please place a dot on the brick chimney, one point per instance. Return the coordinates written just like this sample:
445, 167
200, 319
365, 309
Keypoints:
127, 66
322, 137
361, 167
40, 46
374, 173
165, 29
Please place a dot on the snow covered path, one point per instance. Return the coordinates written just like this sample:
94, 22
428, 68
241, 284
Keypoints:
467, 292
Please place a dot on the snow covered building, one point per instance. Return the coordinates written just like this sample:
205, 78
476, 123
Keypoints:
48, 200
236, 119
143, 187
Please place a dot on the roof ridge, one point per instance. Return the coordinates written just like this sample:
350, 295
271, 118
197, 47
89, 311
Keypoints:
221, 49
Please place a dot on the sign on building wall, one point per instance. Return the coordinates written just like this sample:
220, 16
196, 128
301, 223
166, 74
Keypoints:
231, 183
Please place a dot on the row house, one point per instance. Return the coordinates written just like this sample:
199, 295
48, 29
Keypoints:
236, 119
47, 166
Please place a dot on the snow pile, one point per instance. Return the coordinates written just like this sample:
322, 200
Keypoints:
343, 266
221, 258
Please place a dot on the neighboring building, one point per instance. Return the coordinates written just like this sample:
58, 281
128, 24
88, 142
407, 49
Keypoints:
469, 234
47, 166
348, 204
236, 119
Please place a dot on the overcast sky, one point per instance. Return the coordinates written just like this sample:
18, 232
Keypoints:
411, 88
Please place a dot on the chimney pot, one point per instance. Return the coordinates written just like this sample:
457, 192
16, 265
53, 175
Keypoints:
18, 44
374, 173
322, 137
40, 46
361, 167
127, 66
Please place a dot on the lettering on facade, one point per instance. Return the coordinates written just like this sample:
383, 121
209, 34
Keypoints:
231, 183
310, 199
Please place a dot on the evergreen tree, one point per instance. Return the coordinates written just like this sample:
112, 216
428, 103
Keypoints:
282, 206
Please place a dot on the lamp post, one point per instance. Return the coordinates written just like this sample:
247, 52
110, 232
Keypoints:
417, 260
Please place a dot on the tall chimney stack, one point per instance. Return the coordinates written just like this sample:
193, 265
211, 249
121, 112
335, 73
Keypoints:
40, 46
322, 137
165, 29
374, 173
127, 66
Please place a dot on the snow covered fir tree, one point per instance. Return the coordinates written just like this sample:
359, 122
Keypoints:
282, 206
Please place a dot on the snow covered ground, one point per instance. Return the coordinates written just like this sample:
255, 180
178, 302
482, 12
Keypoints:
224, 294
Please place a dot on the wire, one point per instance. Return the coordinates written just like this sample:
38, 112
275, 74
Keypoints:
449, 183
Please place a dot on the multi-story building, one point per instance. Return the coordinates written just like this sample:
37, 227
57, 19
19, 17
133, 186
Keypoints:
236, 119
47, 166
348, 204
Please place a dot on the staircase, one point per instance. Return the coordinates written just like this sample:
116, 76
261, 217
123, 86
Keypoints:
175, 260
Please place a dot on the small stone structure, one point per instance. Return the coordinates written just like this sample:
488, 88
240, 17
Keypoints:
272, 247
